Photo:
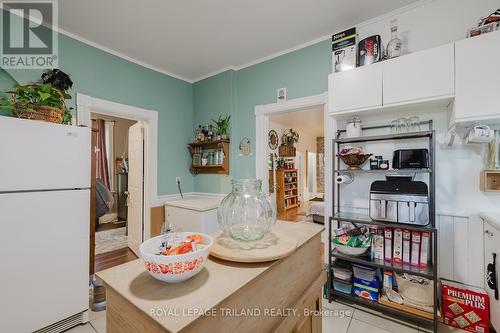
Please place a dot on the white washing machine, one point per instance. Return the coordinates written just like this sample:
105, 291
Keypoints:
492, 246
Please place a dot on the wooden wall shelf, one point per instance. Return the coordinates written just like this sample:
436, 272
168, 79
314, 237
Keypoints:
213, 168
490, 181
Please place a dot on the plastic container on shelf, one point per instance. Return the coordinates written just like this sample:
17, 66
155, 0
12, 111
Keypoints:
364, 272
342, 270
343, 287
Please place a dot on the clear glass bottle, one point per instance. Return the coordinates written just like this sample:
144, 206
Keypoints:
246, 213
395, 46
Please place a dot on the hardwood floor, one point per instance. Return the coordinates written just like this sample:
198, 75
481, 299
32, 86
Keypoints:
110, 226
297, 214
113, 258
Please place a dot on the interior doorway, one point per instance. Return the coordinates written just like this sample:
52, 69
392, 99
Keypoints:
118, 158
296, 175
296, 181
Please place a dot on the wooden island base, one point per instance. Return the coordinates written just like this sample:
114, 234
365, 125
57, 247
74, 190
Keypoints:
279, 296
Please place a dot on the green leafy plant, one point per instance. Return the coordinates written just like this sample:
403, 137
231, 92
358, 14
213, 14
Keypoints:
222, 125
289, 137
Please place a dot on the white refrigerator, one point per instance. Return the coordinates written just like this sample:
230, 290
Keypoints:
44, 221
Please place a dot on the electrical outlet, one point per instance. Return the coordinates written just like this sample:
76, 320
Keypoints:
177, 179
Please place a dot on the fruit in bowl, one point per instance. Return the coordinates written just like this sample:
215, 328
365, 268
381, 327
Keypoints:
176, 256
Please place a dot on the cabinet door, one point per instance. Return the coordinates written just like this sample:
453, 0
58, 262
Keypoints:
419, 76
477, 77
357, 89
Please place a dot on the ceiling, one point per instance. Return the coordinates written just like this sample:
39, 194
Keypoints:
195, 38
306, 121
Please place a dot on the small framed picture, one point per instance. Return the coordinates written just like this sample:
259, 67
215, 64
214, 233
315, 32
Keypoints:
281, 94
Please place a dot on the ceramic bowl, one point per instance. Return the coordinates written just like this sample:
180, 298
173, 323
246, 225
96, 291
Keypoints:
174, 268
352, 251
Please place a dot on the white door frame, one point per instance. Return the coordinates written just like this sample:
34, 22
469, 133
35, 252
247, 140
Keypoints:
262, 114
87, 104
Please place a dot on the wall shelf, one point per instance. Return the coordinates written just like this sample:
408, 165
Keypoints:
213, 168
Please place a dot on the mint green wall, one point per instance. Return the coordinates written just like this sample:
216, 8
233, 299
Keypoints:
182, 106
213, 97
102, 75
303, 72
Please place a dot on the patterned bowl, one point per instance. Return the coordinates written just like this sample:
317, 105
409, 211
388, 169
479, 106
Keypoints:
174, 268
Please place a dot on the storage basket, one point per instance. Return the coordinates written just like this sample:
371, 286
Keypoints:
354, 161
40, 112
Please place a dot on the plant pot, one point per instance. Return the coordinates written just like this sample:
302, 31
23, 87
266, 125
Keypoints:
287, 151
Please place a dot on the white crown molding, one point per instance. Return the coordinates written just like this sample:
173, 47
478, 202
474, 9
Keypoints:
225, 69
123, 56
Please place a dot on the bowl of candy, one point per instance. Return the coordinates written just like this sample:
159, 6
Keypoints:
352, 241
176, 256
354, 158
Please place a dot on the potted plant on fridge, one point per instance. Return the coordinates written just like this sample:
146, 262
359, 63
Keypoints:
41, 101
288, 140
222, 127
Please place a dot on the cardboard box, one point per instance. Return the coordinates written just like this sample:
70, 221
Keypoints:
378, 244
465, 307
416, 238
406, 246
397, 253
344, 50
425, 248
388, 244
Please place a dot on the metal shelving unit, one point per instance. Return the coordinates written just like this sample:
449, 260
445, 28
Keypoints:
430, 271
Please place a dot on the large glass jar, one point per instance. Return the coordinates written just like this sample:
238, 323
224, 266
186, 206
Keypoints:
246, 213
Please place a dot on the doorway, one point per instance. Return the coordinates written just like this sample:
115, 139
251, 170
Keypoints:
310, 192
86, 105
296, 171
118, 159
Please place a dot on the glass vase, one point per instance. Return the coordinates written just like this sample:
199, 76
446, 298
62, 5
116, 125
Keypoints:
246, 213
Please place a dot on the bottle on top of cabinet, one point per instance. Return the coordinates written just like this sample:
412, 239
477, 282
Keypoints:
395, 46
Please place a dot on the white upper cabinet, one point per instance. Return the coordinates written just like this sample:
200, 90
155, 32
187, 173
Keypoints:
477, 77
419, 76
357, 89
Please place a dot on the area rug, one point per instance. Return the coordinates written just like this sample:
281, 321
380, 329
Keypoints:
110, 240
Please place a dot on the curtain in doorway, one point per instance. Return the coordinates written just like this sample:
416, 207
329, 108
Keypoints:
101, 159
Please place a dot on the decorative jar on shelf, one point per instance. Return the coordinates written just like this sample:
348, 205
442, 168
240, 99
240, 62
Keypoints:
246, 213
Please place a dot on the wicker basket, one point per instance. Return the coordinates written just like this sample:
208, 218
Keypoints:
354, 161
287, 151
41, 112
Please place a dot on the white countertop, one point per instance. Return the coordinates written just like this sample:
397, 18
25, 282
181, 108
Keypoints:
492, 218
197, 203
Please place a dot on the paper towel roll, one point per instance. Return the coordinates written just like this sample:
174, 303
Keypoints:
344, 179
